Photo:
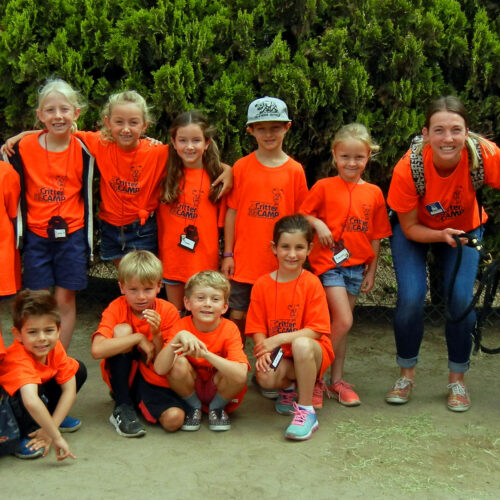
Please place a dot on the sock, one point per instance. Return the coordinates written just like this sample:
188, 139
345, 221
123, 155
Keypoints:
218, 402
310, 409
193, 400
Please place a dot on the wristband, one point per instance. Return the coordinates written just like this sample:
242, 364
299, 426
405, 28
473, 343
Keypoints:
227, 254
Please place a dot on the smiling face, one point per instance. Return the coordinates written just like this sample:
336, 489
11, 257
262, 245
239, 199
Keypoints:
207, 305
269, 135
39, 335
446, 135
190, 144
351, 157
139, 295
291, 251
57, 114
126, 124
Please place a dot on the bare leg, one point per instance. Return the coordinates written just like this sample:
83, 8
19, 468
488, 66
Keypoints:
67, 308
175, 295
239, 317
307, 357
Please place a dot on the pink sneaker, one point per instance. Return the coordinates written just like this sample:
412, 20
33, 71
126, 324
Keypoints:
319, 388
342, 391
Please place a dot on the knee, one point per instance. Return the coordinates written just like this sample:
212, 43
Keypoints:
303, 349
172, 419
180, 370
122, 330
266, 380
341, 325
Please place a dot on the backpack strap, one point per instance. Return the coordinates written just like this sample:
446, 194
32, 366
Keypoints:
477, 175
417, 164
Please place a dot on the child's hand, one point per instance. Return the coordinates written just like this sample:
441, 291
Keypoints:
62, 449
153, 141
226, 178
266, 346
154, 320
368, 280
227, 268
39, 439
8, 147
187, 344
148, 348
324, 234
263, 364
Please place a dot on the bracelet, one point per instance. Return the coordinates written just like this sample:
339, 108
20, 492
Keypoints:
227, 254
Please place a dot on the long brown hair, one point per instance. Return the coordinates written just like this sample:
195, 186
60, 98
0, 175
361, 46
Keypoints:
175, 167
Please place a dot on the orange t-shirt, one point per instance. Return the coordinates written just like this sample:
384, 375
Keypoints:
454, 193
130, 180
225, 341
355, 213
192, 208
286, 307
261, 195
3, 351
53, 183
20, 368
10, 267
119, 312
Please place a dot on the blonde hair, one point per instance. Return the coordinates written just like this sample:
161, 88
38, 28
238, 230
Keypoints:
65, 89
126, 97
213, 279
175, 166
140, 264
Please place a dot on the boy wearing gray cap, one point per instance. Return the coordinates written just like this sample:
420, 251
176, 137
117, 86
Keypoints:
268, 184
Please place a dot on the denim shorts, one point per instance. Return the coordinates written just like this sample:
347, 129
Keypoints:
118, 241
349, 277
55, 263
166, 281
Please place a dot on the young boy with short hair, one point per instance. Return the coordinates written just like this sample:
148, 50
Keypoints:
132, 331
203, 358
268, 184
40, 377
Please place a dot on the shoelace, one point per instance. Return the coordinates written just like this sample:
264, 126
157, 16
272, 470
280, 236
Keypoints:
300, 415
457, 389
288, 397
402, 383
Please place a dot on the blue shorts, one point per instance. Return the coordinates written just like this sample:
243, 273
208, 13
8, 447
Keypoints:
166, 281
55, 263
118, 241
349, 277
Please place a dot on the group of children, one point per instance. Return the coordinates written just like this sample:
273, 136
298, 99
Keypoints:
172, 360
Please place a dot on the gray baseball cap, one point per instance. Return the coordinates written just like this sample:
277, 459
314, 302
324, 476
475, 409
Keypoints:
267, 109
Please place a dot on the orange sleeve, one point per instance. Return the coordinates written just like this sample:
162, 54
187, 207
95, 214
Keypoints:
66, 367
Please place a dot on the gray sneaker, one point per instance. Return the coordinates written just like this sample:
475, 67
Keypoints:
126, 422
192, 420
218, 420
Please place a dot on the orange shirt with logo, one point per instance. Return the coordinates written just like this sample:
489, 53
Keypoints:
192, 208
119, 312
261, 195
355, 213
454, 193
53, 183
130, 180
286, 307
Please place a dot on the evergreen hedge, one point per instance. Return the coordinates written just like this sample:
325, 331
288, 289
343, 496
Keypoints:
376, 61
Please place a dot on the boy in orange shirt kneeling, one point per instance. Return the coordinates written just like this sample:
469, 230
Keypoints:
40, 377
204, 359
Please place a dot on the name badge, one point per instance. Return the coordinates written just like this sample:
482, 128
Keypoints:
434, 208
189, 239
57, 228
340, 253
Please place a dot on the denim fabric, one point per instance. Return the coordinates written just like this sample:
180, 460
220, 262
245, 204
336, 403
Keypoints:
410, 259
349, 277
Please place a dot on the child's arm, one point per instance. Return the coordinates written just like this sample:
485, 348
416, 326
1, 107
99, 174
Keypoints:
226, 178
8, 147
154, 320
184, 344
49, 431
371, 268
103, 347
324, 234
227, 267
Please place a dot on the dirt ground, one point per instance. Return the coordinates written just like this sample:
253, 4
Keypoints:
418, 450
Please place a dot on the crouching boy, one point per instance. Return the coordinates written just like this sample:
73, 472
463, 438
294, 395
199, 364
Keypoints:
132, 331
203, 359
40, 377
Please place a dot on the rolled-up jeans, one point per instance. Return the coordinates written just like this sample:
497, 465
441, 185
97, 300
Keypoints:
410, 265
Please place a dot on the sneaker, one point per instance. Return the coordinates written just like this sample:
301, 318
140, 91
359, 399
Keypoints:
70, 424
267, 393
304, 423
192, 420
126, 422
458, 397
317, 399
342, 391
401, 391
218, 420
24, 452
285, 401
